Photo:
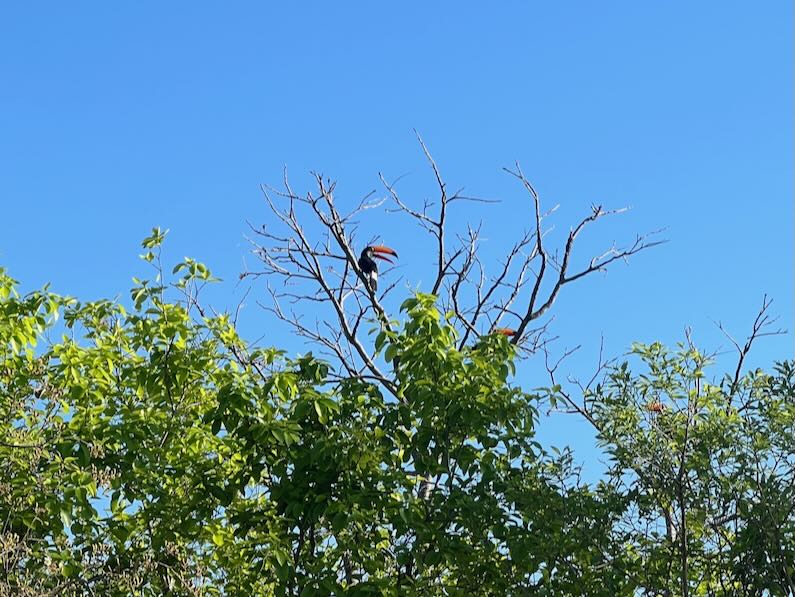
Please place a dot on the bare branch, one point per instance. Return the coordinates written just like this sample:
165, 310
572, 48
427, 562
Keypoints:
312, 268
307, 254
598, 263
762, 321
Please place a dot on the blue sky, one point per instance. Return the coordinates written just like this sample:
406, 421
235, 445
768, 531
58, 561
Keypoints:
116, 118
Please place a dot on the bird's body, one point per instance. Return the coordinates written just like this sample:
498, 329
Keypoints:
370, 270
507, 332
369, 266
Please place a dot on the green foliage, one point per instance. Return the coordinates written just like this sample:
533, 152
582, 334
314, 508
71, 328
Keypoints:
713, 470
152, 450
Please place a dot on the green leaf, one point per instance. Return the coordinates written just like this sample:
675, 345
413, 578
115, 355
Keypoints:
321, 412
66, 516
391, 352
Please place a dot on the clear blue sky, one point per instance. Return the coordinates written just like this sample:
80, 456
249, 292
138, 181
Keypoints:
116, 117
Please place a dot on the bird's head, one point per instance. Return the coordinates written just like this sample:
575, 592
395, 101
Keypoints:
379, 252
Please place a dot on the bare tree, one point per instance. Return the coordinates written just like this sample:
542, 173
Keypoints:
319, 290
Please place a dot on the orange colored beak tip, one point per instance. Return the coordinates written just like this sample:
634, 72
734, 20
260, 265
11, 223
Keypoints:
383, 249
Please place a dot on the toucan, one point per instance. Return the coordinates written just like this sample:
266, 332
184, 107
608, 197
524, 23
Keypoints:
368, 265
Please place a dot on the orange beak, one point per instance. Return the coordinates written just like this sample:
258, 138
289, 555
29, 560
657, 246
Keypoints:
380, 250
504, 331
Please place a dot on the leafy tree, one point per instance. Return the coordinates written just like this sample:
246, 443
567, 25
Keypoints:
711, 468
153, 451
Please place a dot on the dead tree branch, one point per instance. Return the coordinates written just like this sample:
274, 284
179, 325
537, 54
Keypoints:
322, 271
307, 254
762, 321
564, 277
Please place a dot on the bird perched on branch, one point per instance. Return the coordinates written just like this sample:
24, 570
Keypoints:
369, 266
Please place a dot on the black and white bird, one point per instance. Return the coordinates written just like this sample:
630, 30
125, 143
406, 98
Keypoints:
369, 266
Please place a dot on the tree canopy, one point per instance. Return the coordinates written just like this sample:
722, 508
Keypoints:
151, 450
